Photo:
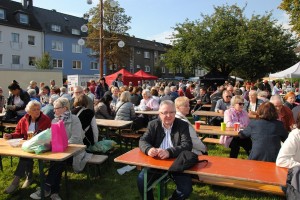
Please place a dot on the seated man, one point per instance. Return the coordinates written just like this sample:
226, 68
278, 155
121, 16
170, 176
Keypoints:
166, 137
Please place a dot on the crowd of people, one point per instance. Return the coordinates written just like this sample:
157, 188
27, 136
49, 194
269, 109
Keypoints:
266, 113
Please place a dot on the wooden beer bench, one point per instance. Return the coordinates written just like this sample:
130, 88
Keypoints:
251, 175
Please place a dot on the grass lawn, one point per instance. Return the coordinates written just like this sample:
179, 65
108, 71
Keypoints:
112, 186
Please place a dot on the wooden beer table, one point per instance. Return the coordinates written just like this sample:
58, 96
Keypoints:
230, 172
7, 150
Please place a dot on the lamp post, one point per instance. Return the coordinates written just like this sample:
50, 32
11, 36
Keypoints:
84, 28
101, 48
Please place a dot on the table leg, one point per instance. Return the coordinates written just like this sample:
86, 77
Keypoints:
145, 183
42, 175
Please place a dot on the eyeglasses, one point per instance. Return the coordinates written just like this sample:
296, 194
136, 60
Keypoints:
57, 108
228, 96
168, 113
241, 104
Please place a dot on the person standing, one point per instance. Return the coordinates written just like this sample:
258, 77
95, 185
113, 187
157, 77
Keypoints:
101, 88
165, 138
119, 81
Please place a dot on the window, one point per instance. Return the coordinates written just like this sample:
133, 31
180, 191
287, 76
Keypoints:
15, 37
76, 64
94, 65
2, 14
57, 45
76, 48
163, 70
1, 59
147, 68
146, 54
75, 31
55, 28
138, 66
31, 40
15, 59
24, 18
56, 63
31, 61
155, 54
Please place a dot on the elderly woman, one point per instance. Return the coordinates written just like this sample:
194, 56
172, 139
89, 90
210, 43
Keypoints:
265, 130
16, 102
34, 121
115, 98
182, 105
87, 119
102, 108
74, 134
148, 103
290, 99
231, 116
124, 108
252, 105
289, 154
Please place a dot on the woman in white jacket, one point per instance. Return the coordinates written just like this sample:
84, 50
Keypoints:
289, 154
182, 109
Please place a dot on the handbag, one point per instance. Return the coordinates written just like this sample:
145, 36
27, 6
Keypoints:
38, 143
59, 136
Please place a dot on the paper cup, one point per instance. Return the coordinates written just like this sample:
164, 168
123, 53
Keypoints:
223, 126
236, 126
197, 125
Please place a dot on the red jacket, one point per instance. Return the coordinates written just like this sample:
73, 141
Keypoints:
42, 123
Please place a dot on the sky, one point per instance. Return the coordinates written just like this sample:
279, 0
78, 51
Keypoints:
154, 19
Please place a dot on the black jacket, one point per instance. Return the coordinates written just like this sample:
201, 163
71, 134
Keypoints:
155, 134
24, 96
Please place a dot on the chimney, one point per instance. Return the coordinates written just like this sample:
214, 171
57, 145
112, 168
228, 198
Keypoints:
24, 4
30, 3
27, 4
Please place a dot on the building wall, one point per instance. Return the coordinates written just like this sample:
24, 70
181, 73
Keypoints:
24, 77
23, 49
67, 56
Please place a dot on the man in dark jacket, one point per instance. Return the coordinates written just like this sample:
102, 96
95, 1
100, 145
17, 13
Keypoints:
166, 137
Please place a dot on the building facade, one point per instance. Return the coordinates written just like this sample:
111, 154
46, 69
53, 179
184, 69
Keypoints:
27, 32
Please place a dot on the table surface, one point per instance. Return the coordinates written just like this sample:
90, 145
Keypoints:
150, 112
216, 130
112, 123
7, 150
230, 168
208, 113
206, 106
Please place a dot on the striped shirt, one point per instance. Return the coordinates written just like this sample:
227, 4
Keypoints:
167, 142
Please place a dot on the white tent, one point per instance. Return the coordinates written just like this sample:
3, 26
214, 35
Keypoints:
292, 72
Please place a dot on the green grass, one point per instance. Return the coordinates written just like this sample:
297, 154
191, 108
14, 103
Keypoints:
111, 186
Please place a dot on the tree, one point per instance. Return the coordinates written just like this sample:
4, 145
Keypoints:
229, 42
115, 27
44, 62
293, 9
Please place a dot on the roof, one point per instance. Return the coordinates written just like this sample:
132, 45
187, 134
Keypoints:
12, 8
146, 44
67, 22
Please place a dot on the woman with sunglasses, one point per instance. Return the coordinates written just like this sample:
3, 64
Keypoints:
236, 114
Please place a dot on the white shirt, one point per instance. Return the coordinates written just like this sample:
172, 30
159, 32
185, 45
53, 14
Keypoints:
167, 142
289, 154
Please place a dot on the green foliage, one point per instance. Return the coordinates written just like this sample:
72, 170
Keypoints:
229, 42
45, 62
115, 26
293, 10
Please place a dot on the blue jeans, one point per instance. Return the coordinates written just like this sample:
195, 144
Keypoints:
182, 181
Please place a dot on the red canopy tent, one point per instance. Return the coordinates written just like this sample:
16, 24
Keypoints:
127, 77
145, 76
